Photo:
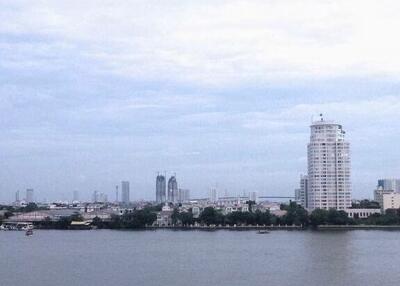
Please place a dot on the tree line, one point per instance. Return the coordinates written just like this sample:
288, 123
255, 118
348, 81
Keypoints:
295, 215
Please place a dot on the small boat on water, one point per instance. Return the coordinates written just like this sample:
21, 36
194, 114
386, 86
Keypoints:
29, 232
263, 231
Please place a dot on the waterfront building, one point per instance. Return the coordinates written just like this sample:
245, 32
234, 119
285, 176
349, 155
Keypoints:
387, 199
389, 184
361, 213
222, 201
390, 201
125, 195
29, 196
161, 189
37, 216
164, 217
328, 167
172, 190
301, 193
196, 211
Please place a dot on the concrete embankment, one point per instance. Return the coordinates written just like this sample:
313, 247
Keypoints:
238, 228
358, 227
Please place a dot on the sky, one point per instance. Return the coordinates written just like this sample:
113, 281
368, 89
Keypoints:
222, 93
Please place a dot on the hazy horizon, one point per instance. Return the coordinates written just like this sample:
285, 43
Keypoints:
216, 92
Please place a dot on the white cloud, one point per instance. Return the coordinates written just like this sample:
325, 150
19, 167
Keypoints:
225, 42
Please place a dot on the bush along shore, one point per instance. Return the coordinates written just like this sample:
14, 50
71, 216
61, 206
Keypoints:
295, 217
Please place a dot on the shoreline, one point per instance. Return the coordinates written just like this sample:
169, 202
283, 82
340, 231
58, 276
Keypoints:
358, 227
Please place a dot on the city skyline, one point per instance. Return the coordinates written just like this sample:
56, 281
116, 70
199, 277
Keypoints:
172, 192
215, 101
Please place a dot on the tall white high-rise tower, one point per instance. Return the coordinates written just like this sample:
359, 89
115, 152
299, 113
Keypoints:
328, 167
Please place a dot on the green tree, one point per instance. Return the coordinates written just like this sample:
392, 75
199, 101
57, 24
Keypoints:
296, 214
30, 207
318, 217
187, 218
97, 222
211, 216
137, 219
336, 217
263, 218
175, 217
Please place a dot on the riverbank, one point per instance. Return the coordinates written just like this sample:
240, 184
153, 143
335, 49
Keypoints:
227, 227
358, 227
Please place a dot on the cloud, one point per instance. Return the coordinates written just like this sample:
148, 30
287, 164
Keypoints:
228, 42
126, 88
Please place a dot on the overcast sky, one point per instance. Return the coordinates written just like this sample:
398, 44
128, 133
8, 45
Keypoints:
220, 92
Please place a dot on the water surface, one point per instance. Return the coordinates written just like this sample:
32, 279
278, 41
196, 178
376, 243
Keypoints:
199, 258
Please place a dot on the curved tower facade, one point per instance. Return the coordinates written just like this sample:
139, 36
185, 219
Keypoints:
161, 187
328, 167
173, 193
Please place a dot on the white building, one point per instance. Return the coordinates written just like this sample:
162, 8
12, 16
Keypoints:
328, 167
387, 199
164, 217
361, 213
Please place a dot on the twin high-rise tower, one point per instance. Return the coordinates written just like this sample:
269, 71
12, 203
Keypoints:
169, 192
161, 189
328, 183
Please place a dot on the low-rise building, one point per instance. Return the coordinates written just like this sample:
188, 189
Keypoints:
164, 217
103, 215
36, 216
361, 213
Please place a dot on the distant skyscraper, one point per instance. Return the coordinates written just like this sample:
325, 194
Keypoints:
172, 190
103, 198
17, 196
125, 192
389, 184
75, 197
116, 194
95, 197
98, 197
253, 196
29, 196
328, 167
183, 195
161, 188
213, 195
301, 194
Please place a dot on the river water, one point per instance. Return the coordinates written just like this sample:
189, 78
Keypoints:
166, 257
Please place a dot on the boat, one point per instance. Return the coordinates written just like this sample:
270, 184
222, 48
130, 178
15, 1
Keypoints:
29, 232
25, 226
263, 231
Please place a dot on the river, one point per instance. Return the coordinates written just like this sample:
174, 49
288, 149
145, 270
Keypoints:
199, 258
